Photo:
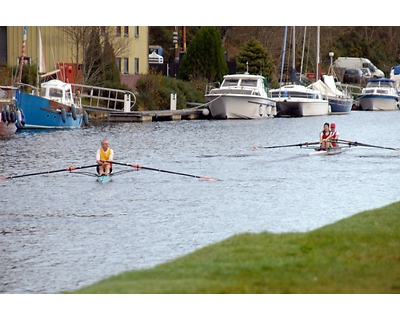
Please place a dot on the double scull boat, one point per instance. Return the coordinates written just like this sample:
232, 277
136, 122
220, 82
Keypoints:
329, 151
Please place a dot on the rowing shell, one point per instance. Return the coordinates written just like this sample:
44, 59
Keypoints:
329, 151
104, 179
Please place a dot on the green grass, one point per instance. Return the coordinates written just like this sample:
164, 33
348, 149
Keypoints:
359, 254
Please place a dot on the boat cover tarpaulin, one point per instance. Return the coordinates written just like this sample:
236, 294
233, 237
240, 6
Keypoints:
396, 70
328, 87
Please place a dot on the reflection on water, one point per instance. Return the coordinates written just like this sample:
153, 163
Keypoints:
63, 231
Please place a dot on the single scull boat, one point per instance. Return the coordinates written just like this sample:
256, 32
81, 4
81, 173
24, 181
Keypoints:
104, 178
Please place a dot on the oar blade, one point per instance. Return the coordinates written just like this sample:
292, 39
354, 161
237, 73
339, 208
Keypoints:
207, 178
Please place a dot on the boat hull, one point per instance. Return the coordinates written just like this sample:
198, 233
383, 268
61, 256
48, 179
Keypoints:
340, 105
301, 108
328, 152
42, 113
379, 103
235, 106
7, 129
104, 179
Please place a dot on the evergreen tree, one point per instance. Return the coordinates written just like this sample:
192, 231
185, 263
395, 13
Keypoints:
257, 59
111, 72
204, 57
92, 62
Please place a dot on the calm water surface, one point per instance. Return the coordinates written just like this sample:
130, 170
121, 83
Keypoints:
64, 231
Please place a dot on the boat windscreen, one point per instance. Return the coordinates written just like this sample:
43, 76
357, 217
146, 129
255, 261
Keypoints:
230, 82
248, 83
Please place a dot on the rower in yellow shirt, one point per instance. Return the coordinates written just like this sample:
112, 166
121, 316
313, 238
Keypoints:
104, 158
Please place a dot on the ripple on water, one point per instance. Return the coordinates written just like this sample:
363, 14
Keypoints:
64, 231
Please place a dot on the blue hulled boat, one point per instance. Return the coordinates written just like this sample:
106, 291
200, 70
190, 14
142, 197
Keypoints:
51, 107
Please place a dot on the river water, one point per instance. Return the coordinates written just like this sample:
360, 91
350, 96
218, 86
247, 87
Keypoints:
63, 231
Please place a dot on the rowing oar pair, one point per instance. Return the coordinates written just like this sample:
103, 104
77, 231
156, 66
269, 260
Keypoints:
138, 166
355, 143
305, 144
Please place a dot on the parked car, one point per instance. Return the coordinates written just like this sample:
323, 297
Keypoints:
352, 76
367, 74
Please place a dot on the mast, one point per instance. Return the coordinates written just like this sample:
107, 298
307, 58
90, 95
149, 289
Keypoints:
302, 55
317, 57
283, 56
294, 49
21, 61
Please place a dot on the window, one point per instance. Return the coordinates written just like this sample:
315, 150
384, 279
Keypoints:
126, 31
126, 65
137, 32
118, 31
119, 64
136, 65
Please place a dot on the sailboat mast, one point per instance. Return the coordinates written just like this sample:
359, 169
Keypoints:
294, 49
283, 56
21, 62
317, 56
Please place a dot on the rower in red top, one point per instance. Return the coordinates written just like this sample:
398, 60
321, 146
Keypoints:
334, 136
324, 136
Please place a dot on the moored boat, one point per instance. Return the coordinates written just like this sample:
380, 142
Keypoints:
340, 102
379, 95
51, 107
10, 116
241, 96
295, 100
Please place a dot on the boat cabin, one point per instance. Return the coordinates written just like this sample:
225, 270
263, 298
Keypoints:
58, 91
295, 91
242, 84
381, 86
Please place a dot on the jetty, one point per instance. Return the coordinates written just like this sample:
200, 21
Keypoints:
143, 116
115, 105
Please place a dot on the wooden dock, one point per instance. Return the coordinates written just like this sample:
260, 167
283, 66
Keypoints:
113, 115
156, 115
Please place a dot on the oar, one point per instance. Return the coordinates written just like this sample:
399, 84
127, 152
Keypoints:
70, 169
355, 143
138, 166
287, 145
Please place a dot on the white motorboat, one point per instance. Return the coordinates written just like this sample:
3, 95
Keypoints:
379, 95
299, 101
241, 96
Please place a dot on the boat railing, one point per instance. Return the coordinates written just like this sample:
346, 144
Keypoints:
100, 97
212, 85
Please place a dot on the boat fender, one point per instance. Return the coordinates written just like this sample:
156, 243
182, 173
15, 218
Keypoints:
23, 119
206, 112
63, 114
85, 118
73, 111
8, 117
18, 115
13, 116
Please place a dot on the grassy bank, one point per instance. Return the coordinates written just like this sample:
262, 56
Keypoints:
360, 254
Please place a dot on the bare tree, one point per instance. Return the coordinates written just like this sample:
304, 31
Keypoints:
87, 49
